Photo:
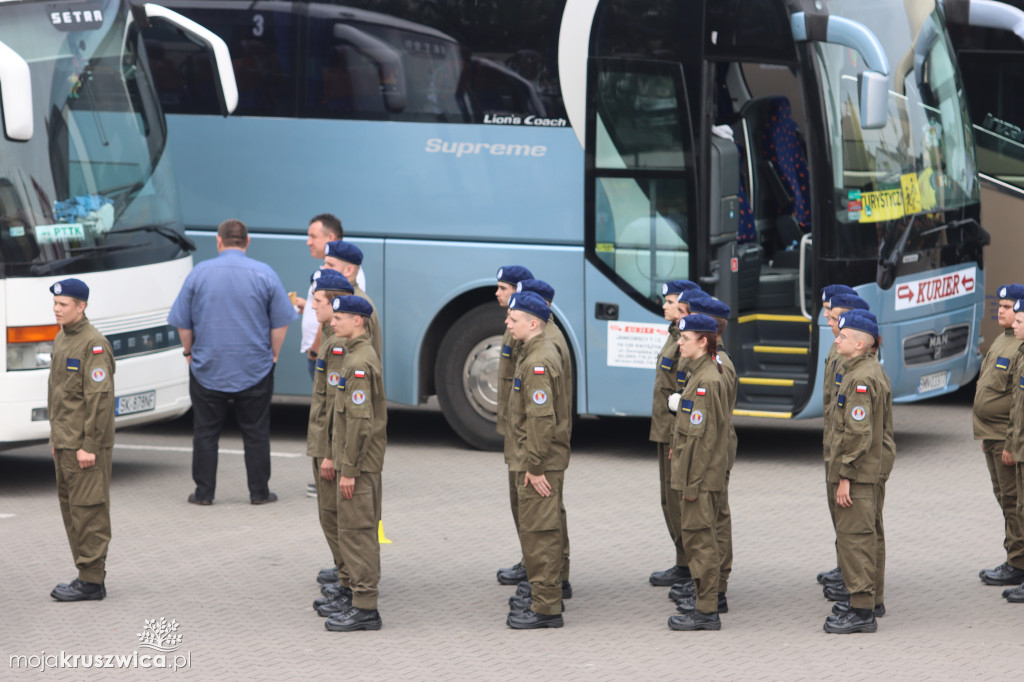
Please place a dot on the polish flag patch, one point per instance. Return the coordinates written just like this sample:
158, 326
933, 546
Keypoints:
861, 388
96, 350
702, 391
337, 350
538, 370
359, 374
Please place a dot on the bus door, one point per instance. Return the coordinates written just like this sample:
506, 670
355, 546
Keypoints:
641, 205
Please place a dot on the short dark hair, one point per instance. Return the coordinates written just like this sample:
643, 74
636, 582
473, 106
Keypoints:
331, 224
233, 233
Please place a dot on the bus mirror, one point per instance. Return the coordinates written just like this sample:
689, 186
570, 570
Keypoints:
387, 61
874, 99
227, 88
15, 94
985, 14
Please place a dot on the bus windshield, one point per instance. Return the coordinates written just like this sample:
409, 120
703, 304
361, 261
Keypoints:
922, 162
83, 193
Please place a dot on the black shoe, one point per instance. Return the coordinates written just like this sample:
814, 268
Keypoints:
271, 497
681, 590
833, 576
841, 607
1003, 574
671, 576
519, 603
339, 605
525, 589
1014, 595
79, 590
354, 619
192, 499
512, 576
836, 592
332, 590
327, 575
530, 620
850, 622
695, 620
342, 594
687, 604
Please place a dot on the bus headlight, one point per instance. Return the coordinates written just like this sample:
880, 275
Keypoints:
29, 355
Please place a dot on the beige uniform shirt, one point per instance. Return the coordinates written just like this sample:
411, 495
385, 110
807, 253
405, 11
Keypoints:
80, 394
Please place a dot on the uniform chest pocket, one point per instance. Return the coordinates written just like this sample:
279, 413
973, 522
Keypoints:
1000, 378
72, 384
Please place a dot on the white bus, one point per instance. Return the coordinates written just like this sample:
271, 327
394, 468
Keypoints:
87, 191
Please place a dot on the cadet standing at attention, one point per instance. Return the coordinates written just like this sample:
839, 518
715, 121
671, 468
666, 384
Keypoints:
700, 444
509, 277
80, 404
539, 416
359, 439
667, 381
326, 285
861, 418
1015, 431
520, 600
992, 398
347, 258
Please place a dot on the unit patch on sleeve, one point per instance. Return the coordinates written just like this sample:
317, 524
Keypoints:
358, 397
333, 378
540, 397
697, 418
858, 413
98, 375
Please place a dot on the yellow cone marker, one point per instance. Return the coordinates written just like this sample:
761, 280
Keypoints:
381, 538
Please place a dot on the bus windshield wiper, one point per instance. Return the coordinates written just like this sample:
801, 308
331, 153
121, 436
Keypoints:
178, 238
891, 254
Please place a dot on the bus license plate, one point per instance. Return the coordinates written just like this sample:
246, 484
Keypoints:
932, 382
136, 402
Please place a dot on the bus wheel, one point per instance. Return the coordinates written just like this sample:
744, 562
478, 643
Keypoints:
466, 376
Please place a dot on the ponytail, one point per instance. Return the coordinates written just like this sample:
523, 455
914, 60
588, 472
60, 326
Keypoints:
712, 339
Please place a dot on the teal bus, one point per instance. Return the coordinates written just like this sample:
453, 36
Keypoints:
762, 148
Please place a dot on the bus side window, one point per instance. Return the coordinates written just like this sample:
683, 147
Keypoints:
994, 81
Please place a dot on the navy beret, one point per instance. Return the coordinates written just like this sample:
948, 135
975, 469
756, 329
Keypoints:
832, 289
331, 280
678, 286
861, 320
710, 306
850, 301
513, 274
346, 251
1012, 292
690, 295
537, 286
698, 323
529, 302
356, 305
75, 288
1018, 305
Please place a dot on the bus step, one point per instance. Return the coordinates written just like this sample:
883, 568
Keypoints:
776, 358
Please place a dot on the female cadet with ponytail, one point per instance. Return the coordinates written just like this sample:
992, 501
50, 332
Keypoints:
700, 453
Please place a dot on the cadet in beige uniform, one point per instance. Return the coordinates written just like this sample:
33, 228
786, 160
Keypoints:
80, 404
347, 258
1015, 430
992, 399
861, 418
326, 285
508, 277
539, 418
359, 439
668, 379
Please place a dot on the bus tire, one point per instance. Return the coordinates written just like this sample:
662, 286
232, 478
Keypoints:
466, 375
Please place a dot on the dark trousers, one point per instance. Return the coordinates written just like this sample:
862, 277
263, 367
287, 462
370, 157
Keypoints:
252, 411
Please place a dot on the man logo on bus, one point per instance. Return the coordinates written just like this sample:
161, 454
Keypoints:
859, 413
540, 397
98, 375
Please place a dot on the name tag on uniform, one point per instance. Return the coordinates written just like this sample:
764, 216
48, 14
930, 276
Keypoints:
841, 400
666, 363
517, 385
341, 383
686, 406
839, 379
506, 351
1003, 363
74, 365
320, 365
681, 379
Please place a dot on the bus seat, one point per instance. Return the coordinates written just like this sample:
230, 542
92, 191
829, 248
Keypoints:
747, 232
782, 148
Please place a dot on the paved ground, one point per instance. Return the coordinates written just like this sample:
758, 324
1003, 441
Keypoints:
239, 579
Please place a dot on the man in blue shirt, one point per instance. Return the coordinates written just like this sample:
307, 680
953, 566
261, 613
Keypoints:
232, 314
